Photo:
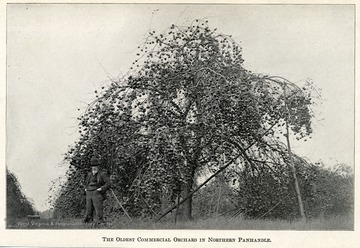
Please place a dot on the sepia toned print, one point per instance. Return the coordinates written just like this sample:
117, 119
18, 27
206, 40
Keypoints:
173, 124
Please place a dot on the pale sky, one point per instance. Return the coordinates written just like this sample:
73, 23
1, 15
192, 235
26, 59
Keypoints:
58, 55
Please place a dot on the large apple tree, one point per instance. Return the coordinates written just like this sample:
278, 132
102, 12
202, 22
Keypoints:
186, 105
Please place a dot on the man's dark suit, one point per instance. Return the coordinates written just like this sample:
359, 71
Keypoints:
95, 198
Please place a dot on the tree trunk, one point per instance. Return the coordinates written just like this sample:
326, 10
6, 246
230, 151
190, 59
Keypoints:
165, 199
187, 211
186, 208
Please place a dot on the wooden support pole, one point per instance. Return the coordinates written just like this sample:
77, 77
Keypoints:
297, 188
120, 204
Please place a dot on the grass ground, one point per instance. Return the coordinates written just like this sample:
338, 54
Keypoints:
333, 223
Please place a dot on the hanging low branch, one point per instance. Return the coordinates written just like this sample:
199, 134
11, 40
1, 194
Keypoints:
211, 177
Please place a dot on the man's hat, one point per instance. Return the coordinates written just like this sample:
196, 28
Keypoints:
94, 162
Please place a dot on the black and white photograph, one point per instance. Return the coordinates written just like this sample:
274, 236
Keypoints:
179, 124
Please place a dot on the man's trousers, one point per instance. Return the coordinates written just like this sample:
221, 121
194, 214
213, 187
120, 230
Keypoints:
94, 201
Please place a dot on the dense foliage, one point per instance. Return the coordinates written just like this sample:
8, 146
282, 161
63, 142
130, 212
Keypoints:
17, 204
186, 105
270, 194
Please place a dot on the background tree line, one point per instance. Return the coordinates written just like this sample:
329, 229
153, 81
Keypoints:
17, 204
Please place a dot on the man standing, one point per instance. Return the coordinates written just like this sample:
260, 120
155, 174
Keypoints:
96, 185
